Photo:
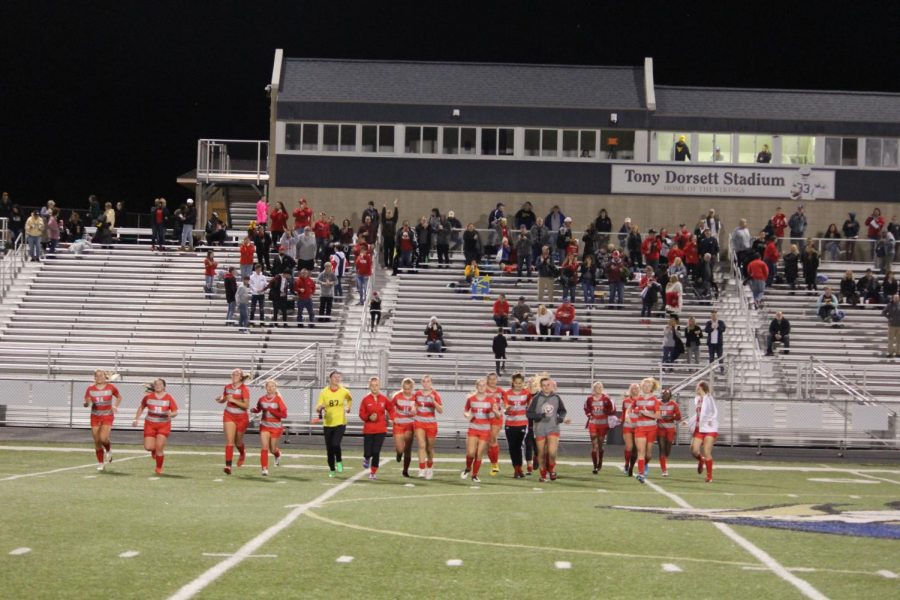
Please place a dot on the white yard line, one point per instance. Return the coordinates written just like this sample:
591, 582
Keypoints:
863, 474
20, 551
93, 464
802, 585
210, 575
671, 568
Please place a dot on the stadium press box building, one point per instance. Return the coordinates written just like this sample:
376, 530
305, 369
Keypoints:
465, 136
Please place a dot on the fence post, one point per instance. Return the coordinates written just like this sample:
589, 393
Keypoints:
183, 366
190, 404
49, 361
456, 371
71, 403
846, 417
731, 418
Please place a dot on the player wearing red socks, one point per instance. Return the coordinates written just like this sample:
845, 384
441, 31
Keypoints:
598, 408
403, 405
499, 397
104, 399
669, 415
634, 392
273, 410
480, 409
428, 402
516, 429
236, 398
374, 410
644, 415
705, 425
547, 411
161, 409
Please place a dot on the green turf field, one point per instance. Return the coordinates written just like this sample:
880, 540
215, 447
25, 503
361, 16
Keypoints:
583, 536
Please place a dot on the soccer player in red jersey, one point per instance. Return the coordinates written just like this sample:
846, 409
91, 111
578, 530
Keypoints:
403, 404
375, 411
634, 392
669, 415
236, 397
273, 410
104, 399
644, 416
598, 408
161, 409
480, 409
516, 406
705, 425
428, 402
499, 398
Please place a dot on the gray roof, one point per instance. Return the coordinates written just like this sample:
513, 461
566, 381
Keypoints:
461, 84
790, 105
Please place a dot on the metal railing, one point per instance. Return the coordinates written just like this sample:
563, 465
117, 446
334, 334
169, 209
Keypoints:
359, 353
11, 263
216, 163
744, 306
293, 364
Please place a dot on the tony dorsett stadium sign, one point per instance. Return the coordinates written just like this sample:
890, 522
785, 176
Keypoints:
800, 184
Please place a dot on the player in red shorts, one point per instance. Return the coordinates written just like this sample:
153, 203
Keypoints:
236, 398
634, 392
480, 409
705, 425
499, 397
644, 415
403, 415
598, 408
161, 409
104, 400
273, 410
428, 402
669, 415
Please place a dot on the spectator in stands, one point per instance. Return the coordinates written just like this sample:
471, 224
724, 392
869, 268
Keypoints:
471, 271
346, 233
231, 285
371, 212
5, 206
833, 243
849, 295
525, 217
455, 230
368, 230
708, 244
302, 215
389, 221
692, 336
374, 311
759, 274
810, 260
262, 213
306, 250
874, 226
16, 223
892, 313
884, 251
616, 275
501, 311
496, 235
677, 270
867, 288
674, 297
188, 222
258, 283
406, 245
797, 224
706, 284
827, 308
499, 347
589, 240
603, 227
283, 263
504, 254
565, 320
495, 215
215, 230
740, 242
715, 334
327, 281
209, 273
770, 257
521, 316
779, 225
547, 273
692, 257
889, 287
713, 223
553, 222
634, 244
791, 262
563, 239
74, 227
34, 229
263, 242
277, 220
242, 298
52, 231
440, 233
894, 228
764, 156
650, 292
588, 279
338, 262
322, 232
543, 322
668, 344
851, 234
94, 209
568, 277
779, 331
434, 337
523, 251
363, 267
624, 232
681, 151
279, 287
304, 288
540, 237
159, 216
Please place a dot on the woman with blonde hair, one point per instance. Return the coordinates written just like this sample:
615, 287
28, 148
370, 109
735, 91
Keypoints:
104, 399
705, 427
404, 415
273, 409
598, 408
634, 392
236, 398
480, 408
428, 406
161, 409
643, 415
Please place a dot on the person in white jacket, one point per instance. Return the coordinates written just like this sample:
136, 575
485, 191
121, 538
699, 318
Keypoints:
705, 427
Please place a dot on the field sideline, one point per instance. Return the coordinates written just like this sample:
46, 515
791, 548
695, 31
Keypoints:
785, 530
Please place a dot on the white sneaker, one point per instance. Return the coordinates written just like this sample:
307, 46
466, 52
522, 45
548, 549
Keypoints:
421, 473
265, 472
101, 467
464, 475
278, 461
429, 473
108, 455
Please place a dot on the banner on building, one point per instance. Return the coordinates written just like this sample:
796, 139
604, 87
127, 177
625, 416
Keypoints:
804, 183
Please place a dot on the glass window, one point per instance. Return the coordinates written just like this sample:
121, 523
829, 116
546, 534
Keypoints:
755, 148
665, 146
889, 154
369, 138
385, 138
506, 141
429, 140
310, 136
488, 141
532, 142
451, 140
348, 138
713, 147
467, 140
569, 143
548, 142
832, 151
873, 152
849, 152
588, 144
292, 133
617, 144
330, 138
413, 143
798, 150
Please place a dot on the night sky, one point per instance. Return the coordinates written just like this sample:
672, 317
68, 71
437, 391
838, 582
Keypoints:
111, 97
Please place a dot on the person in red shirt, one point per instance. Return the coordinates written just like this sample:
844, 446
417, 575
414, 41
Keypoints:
278, 221
248, 251
598, 408
209, 273
104, 399
161, 409
759, 274
692, 256
302, 215
480, 408
272, 409
770, 257
498, 396
779, 224
236, 398
501, 311
322, 231
515, 405
375, 411
643, 416
305, 287
669, 415
363, 266
565, 320
650, 248
874, 226
403, 414
428, 406
634, 392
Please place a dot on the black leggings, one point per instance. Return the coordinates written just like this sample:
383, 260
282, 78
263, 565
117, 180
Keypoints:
530, 443
515, 436
372, 443
375, 315
333, 437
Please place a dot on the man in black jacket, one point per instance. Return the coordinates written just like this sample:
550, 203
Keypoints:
499, 348
779, 331
715, 330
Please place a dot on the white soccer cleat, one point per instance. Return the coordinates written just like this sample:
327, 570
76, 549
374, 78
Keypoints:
429, 473
464, 475
265, 472
278, 461
109, 456
421, 473
101, 467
